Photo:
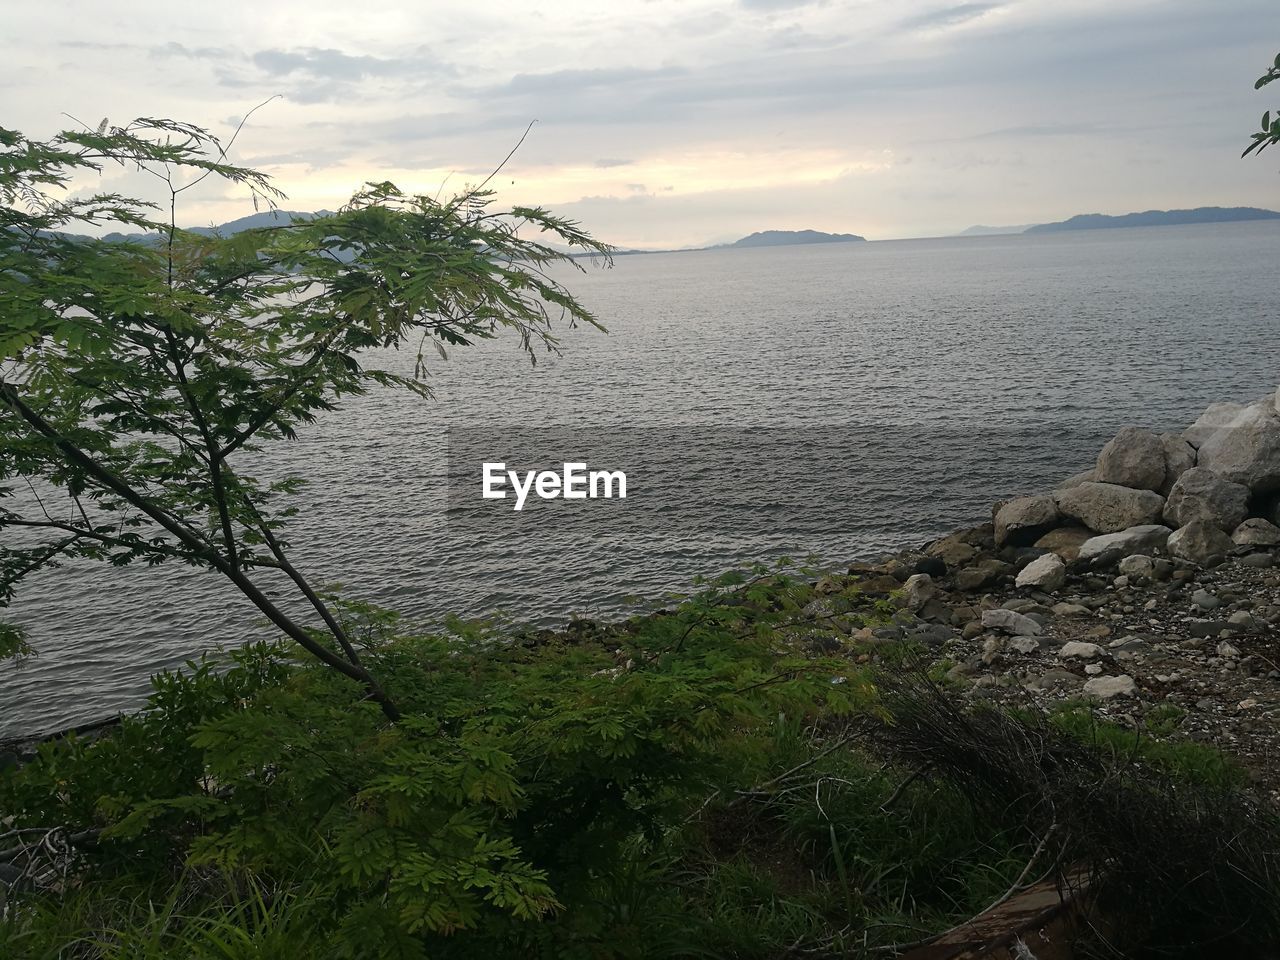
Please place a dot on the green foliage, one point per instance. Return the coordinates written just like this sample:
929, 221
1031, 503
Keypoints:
13, 642
1270, 132
1195, 762
135, 377
520, 782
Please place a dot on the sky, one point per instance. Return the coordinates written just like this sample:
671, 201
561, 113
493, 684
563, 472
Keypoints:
670, 123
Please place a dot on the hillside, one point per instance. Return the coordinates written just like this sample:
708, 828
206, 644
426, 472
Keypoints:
787, 238
1156, 218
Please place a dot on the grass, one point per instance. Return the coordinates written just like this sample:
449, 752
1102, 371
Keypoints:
808, 831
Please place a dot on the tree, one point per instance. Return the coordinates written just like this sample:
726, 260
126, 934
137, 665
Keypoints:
135, 376
1270, 132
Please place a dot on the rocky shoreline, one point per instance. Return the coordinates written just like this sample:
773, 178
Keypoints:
1149, 585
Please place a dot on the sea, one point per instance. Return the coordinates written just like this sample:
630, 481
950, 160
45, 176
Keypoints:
813, 404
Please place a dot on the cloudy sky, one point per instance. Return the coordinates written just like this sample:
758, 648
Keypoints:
679, 122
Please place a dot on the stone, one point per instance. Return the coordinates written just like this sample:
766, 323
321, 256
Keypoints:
954, 550
1200, 542
1024, 644
1179, 457
1259, 561
1093, 669
918, 590
1044, 573
1065, 541
933, 566
1108, 507
1110, 548
1070, 610
1228, 649
1132, 458
1011, 623
1057, 677
980, 574
1138, 567
1246, 450
1256, 532
1020, 522
1201, 494
935, 611
883, 584
1106, 688
1074, 481
1205, 600
1217, 416
1080, 650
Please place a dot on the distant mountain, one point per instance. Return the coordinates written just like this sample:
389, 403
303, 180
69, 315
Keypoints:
981, 231
789, 238
264, 218
1156, 218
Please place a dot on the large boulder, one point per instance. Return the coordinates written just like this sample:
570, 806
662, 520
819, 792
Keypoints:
1108, 507
1046, 572
1110, 548
1065, 541
1086, 476
1179, 457
1200, 542
1247, 449
1132, 458
1256, 532
1217, 416
1022, 521
1200, 494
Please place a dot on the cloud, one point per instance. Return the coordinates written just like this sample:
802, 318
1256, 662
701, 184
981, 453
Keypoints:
577, 80
605, 163
949, 16
324, 64
770, 5
325, 74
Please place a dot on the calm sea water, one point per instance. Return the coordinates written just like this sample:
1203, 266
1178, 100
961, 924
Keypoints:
827, 400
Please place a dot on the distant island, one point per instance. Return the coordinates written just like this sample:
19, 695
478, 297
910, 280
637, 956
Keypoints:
1156, 218
789, 238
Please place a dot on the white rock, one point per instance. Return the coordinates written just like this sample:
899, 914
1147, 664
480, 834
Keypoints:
1200, 494
1108, 507
1110, 547
1104, 688
1246, 450
1010, 622
1200, 542
1256, 532
1132, 458
1046, 572
1093, 669
918, 590
1217, 416
1230, 650
1080, 650
1024, 644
